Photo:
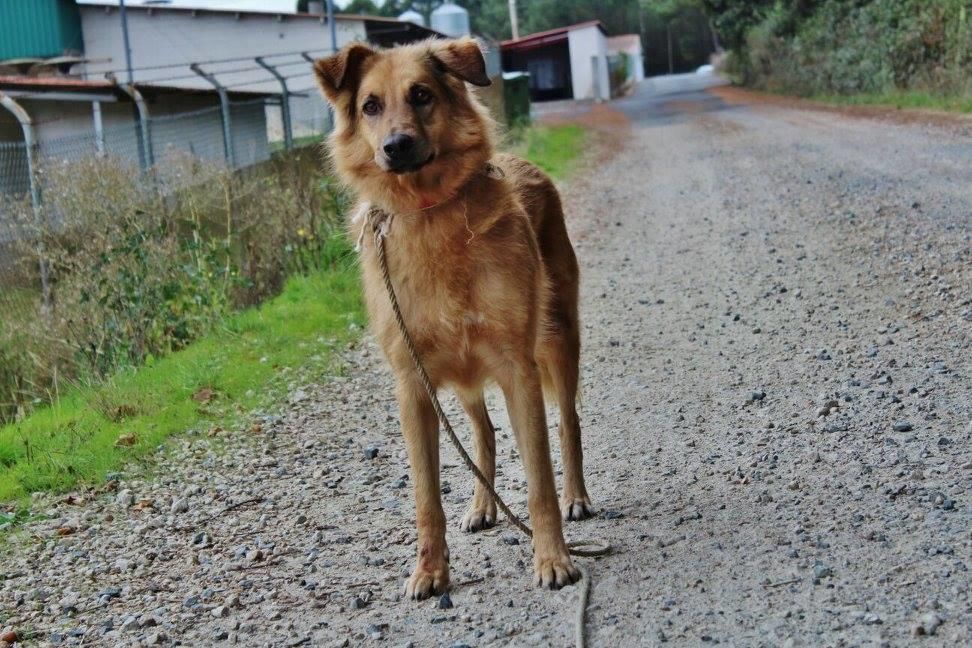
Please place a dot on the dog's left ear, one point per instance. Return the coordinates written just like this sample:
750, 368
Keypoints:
463, 58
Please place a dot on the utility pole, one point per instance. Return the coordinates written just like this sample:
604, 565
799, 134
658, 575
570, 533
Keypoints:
514, 20
330, 22
128, 46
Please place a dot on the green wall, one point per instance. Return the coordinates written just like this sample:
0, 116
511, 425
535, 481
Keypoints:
39, 28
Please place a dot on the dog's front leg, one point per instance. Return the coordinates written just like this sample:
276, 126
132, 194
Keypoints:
524, 400
421, 430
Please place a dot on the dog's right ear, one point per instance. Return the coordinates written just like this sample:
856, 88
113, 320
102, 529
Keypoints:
339, 73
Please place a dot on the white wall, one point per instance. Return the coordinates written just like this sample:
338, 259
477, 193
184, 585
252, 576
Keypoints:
161, 37
586, 43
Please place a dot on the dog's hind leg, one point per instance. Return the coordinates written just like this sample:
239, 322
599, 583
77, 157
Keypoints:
559, 356
421, 430
481, 513
520, 382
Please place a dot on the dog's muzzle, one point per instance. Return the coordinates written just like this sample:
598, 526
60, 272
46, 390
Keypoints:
404, 154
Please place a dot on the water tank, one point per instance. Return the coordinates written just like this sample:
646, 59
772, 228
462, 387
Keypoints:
451, 20
413, 16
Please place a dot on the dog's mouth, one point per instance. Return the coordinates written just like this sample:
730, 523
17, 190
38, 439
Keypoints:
411, 166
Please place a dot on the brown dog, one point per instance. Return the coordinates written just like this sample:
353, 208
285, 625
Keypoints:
484, 271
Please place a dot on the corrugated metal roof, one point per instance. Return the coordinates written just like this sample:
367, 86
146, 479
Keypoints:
550, 35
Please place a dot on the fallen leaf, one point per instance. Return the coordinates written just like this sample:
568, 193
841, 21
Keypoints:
126, 440
204, 395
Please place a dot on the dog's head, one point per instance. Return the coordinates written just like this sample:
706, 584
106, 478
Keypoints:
405, 111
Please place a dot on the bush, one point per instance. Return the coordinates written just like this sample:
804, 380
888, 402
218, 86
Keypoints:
140, 265
867, 46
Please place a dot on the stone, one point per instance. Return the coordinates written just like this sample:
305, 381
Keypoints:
926, 625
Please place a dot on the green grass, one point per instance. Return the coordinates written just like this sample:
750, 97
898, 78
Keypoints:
902, 99
247, 363
555, 149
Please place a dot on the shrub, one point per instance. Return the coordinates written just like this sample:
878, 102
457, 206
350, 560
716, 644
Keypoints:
867, 46
141, 264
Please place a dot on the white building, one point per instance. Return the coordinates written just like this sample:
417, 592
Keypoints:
166, 40
564, 63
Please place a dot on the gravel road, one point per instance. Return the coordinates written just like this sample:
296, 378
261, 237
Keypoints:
777, 406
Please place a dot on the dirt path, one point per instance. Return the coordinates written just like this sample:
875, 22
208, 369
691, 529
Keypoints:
777, 410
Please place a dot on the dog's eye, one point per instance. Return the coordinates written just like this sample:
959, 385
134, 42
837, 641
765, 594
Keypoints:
421, 96
371, 107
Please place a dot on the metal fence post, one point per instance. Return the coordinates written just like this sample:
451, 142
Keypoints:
330, 111
99, 128
224, 104
146, 152
30, 149
288, 130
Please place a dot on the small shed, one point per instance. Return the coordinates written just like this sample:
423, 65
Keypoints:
565, 63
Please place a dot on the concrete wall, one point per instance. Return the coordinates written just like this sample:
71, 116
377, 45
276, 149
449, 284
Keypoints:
585, 44
161, 37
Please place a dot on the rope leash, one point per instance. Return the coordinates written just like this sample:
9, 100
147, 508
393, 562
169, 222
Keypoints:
586, 548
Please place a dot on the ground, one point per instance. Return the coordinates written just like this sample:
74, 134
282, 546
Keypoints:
777, 409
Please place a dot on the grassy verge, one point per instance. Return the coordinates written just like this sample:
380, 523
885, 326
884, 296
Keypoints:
242, 365
901, 100
555, 149
246, 364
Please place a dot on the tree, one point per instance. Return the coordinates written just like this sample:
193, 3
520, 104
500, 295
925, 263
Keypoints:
362, 7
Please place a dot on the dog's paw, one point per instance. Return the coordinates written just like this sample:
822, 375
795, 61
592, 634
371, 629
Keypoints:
555, 572
576, 508
479, 517
424, 583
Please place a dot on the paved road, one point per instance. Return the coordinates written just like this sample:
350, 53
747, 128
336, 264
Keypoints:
777, 414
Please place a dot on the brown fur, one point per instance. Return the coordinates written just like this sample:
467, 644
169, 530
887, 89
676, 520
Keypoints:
486, 277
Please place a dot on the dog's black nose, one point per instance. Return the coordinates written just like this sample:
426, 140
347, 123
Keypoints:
399, 147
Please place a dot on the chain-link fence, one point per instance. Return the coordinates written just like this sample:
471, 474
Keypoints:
241, 136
